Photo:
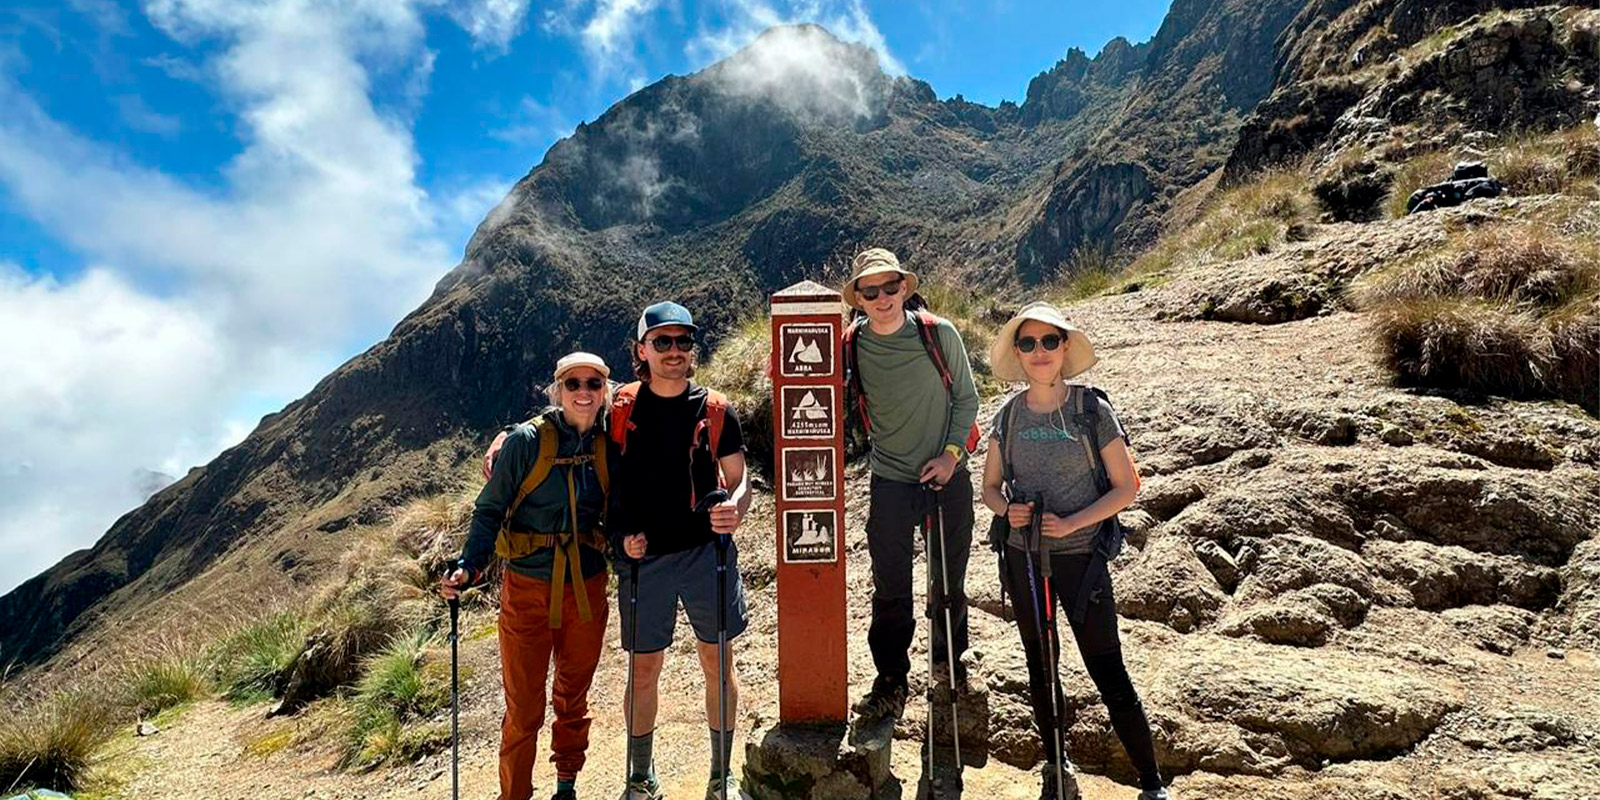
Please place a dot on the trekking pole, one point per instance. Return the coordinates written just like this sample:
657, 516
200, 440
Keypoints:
633, 649
455, 701
935, 531
722, 663
1047, 637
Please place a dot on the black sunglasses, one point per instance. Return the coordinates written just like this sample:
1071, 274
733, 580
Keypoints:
1050, 341
662, 344
592, 384
891, 288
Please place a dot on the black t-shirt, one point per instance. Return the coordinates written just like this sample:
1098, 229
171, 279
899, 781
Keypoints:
653, 493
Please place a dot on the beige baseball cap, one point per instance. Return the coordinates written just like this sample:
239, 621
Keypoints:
572, 361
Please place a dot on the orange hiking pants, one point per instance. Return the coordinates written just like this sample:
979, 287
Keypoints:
527, 643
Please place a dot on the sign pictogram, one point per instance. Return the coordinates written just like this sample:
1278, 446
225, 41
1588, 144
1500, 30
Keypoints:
807, 412
808, 537
806, 349
808, 474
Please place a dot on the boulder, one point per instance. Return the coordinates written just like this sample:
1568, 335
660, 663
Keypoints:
1169, 584
786, 761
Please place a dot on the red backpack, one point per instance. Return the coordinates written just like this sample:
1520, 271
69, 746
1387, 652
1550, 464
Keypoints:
710, 425
927, 325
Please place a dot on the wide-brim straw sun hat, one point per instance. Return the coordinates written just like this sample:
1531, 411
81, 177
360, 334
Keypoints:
1007, 366
572, 361
876, 261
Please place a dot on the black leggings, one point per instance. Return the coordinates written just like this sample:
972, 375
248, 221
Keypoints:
1098, 644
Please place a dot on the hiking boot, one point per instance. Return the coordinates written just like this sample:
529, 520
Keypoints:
1047, 784
1155, 794
887, 700
565, 794
729, 783
643, 788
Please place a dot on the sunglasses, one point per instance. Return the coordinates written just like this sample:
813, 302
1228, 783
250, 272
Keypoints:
592, 384
1050, 341
662, 344
891, 288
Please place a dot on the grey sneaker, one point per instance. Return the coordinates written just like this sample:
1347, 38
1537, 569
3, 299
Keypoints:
887, 700
646, 788
728, 783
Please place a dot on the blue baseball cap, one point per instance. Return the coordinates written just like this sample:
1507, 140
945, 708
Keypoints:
663, 314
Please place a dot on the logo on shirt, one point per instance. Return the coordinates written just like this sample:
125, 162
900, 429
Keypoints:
1045, 433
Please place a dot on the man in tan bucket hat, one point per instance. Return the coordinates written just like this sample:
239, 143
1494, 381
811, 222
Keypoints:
912, 366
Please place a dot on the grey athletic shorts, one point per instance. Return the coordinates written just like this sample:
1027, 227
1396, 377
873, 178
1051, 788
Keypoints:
689, 576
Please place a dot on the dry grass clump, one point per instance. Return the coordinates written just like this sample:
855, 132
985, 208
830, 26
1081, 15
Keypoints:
1564, 162
170, 677
54, 743
246, 663
401, 688
1249, 219
738, 368
1512, 310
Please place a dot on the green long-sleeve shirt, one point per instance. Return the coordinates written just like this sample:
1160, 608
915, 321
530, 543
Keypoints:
546, 509
912, 416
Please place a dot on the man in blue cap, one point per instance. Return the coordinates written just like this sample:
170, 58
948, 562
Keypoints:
680, 492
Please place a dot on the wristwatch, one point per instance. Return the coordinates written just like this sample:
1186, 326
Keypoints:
955, 450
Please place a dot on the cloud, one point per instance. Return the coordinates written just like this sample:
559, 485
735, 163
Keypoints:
747, 19
493, 24
139, 116
199, 301
534, 123
614, 21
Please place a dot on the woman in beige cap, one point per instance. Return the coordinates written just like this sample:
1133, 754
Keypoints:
1058, 471
541, 510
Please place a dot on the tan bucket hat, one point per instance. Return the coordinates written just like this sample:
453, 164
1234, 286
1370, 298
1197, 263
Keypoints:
1003, 360
572, 361
875, 261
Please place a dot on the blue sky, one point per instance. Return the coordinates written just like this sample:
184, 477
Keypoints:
206, 205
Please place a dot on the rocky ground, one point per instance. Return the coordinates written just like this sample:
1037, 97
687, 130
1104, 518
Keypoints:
1336, 589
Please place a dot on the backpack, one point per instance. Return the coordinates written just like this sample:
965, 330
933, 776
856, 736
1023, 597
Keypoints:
709, 428
1085, 417
927, 325
510, 544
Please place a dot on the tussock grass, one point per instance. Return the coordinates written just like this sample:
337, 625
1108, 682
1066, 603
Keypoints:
1421, 170
246, 663
402, 686
1249, 219
1564, 162
739, 369
166, 680
1513, 309
54, 744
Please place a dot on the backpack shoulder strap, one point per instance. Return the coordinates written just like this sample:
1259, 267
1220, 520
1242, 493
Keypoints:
542, 464
622, 413
928, 329
716, 416
1008, 425
852, 372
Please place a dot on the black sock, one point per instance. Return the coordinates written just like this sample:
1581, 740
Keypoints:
640, 756
721, 749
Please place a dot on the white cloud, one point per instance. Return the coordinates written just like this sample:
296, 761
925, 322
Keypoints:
613, 25
492, 23
138, 115
200, 300
747, 19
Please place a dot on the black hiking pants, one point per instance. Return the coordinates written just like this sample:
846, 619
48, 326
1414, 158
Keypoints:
1098, 644
895, 516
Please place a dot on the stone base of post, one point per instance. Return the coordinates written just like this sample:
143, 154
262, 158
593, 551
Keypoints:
790, 761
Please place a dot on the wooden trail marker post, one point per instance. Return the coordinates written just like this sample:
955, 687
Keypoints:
810, 751
808, 451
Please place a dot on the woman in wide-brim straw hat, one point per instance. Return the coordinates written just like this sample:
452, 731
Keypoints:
553, 595
1058, 451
